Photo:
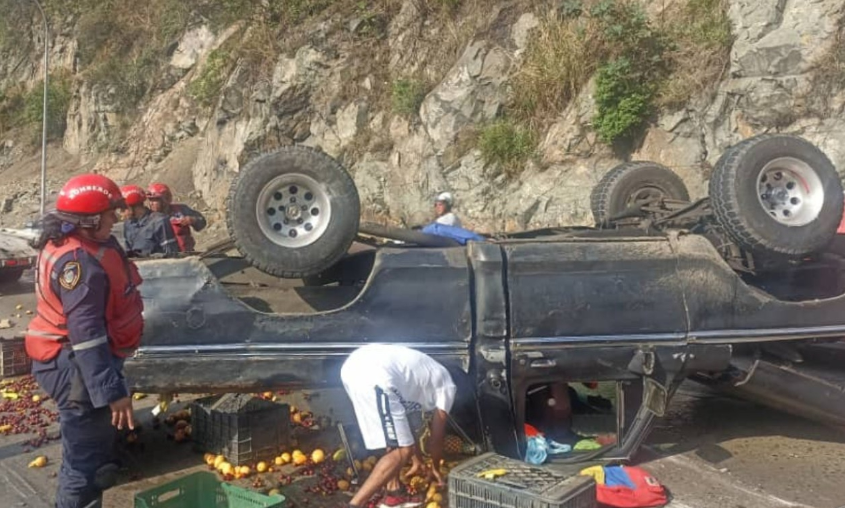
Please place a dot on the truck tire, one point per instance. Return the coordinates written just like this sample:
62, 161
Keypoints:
293, 213
777, 195
629, 182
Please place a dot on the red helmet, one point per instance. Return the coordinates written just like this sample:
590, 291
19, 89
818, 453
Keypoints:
159, 191
84, 197
133, 194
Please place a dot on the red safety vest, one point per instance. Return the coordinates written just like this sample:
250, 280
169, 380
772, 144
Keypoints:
124, 320
183, 233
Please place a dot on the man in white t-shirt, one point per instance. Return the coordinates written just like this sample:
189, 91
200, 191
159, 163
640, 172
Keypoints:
443, 209
386, 383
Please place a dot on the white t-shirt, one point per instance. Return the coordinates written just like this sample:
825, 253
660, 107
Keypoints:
404, 380
449, 219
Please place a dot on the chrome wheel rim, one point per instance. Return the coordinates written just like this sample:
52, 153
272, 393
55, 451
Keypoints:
293, 210
790, 191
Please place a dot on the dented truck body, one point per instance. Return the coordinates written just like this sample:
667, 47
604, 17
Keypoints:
644, 312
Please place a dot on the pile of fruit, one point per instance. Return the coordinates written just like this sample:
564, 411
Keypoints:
22, 410
328, 475
180, 422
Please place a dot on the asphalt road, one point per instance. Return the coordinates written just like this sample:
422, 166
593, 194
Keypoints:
710, 451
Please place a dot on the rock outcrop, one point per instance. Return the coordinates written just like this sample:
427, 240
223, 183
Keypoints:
316, 95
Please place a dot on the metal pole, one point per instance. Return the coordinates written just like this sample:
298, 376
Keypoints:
44, 111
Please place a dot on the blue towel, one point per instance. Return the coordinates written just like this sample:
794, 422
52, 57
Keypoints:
460, 235
539, 449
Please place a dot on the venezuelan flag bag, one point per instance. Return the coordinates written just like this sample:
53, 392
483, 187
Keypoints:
626, 487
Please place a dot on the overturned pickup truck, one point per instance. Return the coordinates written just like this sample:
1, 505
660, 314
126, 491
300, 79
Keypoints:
742, 290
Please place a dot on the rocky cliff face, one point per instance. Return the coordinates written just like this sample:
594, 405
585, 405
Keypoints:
785, 74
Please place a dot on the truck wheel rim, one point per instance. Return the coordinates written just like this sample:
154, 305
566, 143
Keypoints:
790, 191
293, 210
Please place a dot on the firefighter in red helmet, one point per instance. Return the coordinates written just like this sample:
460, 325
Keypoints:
183, 218
146, 232
88, 320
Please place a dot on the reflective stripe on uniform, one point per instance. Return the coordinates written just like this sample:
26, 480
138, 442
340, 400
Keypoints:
88, 344
45, 335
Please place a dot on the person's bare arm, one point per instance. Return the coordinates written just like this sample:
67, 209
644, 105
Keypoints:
438, 435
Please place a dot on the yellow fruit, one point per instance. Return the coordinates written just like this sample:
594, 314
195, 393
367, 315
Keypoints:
273, 492
349, 472
297, 418
367, 466
299, 460
36, 398
261, 467
228, 469
437, 498
358, 464
286, 458
343, 485
5, 428
417, 483
297, 452
278, 461
432, 505
339, 454
39, 461
318, 456
293, 409
217, 461
245, 471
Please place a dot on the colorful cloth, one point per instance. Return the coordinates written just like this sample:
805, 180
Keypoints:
587, 445
539, 448
626, 487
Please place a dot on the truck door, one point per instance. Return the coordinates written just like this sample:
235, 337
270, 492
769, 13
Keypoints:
601, 321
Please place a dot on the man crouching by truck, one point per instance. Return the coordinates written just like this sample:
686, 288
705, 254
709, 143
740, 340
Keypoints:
385, 383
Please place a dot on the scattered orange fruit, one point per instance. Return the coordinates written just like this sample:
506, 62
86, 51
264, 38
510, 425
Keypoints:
39, 461
343, 485
318, 456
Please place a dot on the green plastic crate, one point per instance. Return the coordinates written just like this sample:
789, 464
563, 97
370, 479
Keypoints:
204, 490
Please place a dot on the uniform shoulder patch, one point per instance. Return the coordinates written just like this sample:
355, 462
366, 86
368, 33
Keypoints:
71, 274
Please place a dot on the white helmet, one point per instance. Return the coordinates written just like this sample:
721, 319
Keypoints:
445, 197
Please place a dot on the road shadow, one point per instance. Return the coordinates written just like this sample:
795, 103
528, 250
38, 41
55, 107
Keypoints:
701, 420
